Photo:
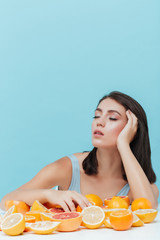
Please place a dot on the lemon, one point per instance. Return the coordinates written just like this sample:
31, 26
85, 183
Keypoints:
146, 215
44, 227
14, 224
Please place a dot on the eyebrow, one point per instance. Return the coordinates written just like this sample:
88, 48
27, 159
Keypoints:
110, 111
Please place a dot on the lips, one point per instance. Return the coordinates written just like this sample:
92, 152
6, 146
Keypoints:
98, 132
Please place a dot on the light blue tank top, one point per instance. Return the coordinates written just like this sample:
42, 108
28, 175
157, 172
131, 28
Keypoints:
75, 182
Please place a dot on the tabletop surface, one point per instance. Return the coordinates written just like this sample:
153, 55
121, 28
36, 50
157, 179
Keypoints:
148, 231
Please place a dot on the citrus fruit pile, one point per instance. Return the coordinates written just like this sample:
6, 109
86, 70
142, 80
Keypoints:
114, 214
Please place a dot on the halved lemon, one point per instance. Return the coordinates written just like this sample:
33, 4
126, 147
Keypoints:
14, 224
146, 215
93, 217
44, 227
137, 222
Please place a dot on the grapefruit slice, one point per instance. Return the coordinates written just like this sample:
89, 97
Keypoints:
44, 227
14, 224
146, 215
70, 221
56, 210
93, 217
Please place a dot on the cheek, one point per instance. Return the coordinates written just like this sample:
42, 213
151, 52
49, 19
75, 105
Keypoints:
115, 130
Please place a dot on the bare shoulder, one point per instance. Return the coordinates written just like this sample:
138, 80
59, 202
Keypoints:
155, 189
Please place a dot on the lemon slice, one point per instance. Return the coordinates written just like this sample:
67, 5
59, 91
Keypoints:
137, 222
44, 227
10, 211
93, 216
146, 215
46, 216
14, 224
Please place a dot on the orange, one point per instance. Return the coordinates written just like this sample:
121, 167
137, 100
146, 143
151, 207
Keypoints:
93, 217
37, 206
107, 223
14, 224
70, 221
21, 206
108, 211
126, 198
121, 220
146, 215
117, 202
93, 199
141, 203
137, 222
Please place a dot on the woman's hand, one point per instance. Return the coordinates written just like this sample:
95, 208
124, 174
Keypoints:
129, 131
66, 199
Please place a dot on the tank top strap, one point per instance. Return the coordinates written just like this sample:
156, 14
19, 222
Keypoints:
124, 191
75, 182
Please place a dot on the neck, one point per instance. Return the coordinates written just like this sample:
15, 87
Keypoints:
109, 163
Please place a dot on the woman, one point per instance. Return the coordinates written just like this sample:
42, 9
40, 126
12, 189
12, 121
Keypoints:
119, 163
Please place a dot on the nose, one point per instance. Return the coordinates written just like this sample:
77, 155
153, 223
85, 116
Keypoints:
101, 121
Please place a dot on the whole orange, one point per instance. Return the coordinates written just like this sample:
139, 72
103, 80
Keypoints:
141, 203
126, 198
93, 199
117, 202
21, 206
121, 220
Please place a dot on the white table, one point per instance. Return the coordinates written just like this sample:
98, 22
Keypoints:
149, 231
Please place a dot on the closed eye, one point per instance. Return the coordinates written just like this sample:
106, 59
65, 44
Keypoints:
112, 119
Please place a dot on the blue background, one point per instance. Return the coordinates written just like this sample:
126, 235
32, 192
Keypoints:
57, 59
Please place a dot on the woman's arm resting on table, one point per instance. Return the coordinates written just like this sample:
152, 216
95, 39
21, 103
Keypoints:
39, 188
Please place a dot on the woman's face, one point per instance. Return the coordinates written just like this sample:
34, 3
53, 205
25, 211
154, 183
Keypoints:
110, 119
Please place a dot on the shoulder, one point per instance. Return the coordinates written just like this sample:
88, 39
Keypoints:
81, 155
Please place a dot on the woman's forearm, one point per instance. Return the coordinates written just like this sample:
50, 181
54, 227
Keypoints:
27, 195
137, 179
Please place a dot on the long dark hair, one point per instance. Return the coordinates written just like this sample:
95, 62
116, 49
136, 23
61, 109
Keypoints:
140, 145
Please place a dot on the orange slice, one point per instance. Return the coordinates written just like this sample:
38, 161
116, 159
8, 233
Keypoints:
107, 223
44, 227
35, 214
10, 211
29, 219
146, 215
137, 222
46, 216
37, 206
93, 217
14, 224
108, 211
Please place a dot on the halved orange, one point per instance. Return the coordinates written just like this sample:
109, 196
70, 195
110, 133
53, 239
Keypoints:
117, 202
110, 210
121, 220
93, 217
141, 203
146, 215
70, 221
14, 224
